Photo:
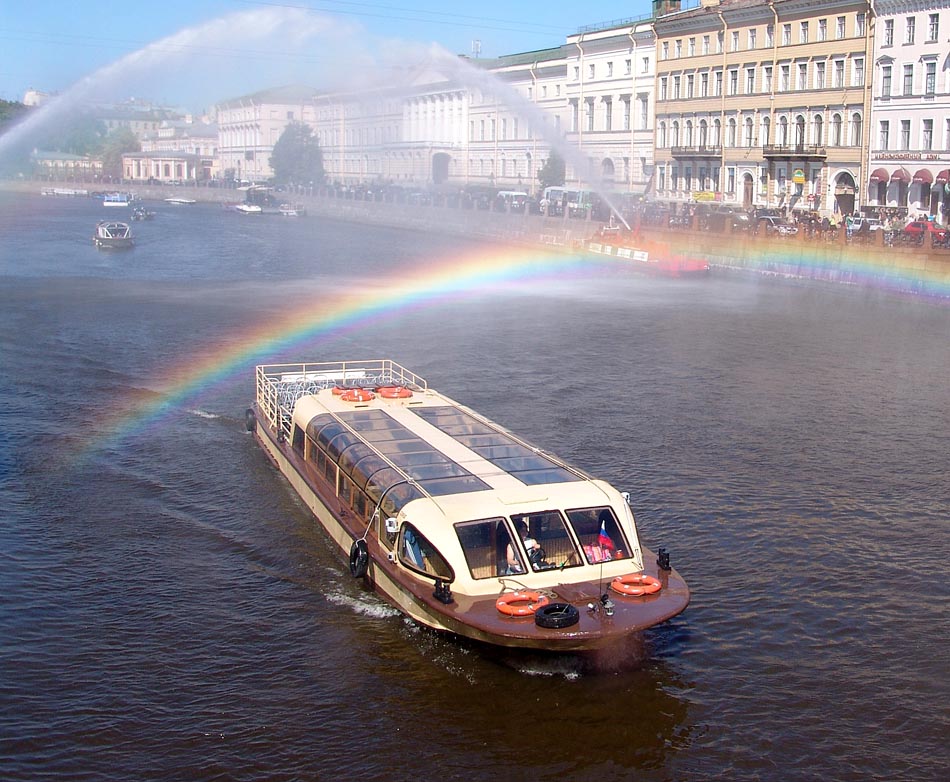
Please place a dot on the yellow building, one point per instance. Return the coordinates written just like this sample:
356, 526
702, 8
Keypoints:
763, 102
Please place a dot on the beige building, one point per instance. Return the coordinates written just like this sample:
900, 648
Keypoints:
249, 126
764, 102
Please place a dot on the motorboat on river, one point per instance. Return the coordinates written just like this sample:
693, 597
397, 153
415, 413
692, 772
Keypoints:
118, 199
248, 209
141, 213
112, 235
292, 210
641, 255
457, 522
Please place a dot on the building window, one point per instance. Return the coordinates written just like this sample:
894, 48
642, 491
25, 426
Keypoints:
644, 113
735, 40
752, 38
784, 79
857, 127
504, 129
822, 29
663, 86
820, 75
836, 130
930, 86
886, 81
590, 113
577, 73
734, 81
749, 80
626, 114
676, 88
544, 91
704, 85
705, 44
765, 133
675, 134
858, 74
927, 138
590, 71
802, 76
718, 84
818, 130
627, 67
946, 135
665, 50
905, 134
885, 134
689, 86
679, 47
661, 141
839, 28
786, 34
719, 43
770, 35
748, 131
610, 69
839, 73
888, 32
910, 31
731, 140
608, 115
860, 24
645, 65
730, 180
803, 34
692, 46
908, 80
933, 28
767, 79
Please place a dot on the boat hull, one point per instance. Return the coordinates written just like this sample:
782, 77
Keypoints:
476, 617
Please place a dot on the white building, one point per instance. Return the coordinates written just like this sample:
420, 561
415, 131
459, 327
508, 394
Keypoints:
909, 166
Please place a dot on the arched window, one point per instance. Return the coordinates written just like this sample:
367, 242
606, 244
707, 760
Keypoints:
676, 134
689, 133
662, 140
717, 133
703, 133
818, 130
748, 131
766, 130
731, 140
799, 131
783, 131
836, 130
607, 168
856, 128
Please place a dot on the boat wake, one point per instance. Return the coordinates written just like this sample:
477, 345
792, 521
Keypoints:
366, 605
203, 414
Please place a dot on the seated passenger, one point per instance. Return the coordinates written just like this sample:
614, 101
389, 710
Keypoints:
535, 552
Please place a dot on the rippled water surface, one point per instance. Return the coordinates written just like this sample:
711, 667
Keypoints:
168, 609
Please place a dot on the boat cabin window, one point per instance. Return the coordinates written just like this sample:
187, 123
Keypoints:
417, 553
299, 439
549, 530
599, 534
485, 544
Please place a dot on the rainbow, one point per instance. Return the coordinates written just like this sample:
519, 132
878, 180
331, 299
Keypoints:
416, 287
436, 282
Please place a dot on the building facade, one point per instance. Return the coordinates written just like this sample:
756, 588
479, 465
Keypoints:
909, 165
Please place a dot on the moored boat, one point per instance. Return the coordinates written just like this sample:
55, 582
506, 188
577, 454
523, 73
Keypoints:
460, 524
292, 210
117, 199
249, 209
180, 201
112, 235
643, 256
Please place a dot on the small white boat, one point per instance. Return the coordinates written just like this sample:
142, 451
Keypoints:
112, 235
180, 201
292, 210
141, 213
248, 209
117, 199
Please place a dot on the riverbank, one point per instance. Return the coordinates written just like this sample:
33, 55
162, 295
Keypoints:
920, 270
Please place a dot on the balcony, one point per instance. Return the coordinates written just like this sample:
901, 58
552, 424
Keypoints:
701, 150
794, 151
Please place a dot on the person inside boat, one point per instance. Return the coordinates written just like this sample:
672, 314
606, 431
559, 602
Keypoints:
535, 552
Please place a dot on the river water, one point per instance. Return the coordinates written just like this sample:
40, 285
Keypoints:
168, 609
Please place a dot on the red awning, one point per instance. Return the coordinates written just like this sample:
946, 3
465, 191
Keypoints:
943, 177
879, 175
901, 175
923, 176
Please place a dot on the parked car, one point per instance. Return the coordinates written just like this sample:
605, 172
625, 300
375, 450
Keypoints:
918, 228
775, 226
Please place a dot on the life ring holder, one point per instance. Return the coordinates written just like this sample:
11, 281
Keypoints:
357, 395
359, 558
522, 602
635, 585
394, 392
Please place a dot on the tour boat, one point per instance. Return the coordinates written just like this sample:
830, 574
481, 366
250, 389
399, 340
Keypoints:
117, 199
249, 209
460, 524
642, 255
111, 235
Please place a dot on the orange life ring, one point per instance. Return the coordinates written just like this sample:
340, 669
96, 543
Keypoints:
357, 395
635, 584
521, 603
394, 392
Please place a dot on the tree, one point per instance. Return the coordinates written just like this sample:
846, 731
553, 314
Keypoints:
552, 172
116, 144
78, 135
297, 157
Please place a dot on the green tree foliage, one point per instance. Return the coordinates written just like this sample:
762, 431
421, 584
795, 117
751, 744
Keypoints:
10, 112
79, 135
552, 172
297, 158
117, 143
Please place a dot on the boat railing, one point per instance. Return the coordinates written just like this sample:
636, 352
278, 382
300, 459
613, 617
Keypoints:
279, 386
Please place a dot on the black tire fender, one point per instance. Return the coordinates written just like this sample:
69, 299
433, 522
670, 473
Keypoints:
359, 558
557, 615
250, 419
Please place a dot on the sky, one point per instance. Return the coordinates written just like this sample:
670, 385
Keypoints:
199, 52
